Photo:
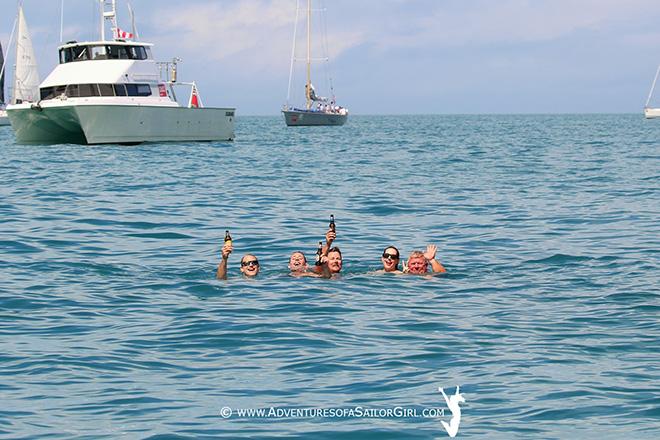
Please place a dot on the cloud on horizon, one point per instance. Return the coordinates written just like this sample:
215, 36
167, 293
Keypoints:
259, 32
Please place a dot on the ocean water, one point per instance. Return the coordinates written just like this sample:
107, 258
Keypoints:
112, 324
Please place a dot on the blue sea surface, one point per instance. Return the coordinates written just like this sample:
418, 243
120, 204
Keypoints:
112, 324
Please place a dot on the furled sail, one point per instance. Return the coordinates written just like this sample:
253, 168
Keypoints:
312, 95
26, 77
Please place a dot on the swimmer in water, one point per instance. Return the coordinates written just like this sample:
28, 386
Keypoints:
298, 266
249, 263
418, 262
390, 260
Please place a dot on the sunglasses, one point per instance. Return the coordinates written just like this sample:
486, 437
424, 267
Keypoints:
250, 263
390, 256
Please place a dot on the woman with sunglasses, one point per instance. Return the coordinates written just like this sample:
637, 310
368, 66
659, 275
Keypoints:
249, 263
390, 260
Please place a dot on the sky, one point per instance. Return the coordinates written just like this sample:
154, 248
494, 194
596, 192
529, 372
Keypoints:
389, 56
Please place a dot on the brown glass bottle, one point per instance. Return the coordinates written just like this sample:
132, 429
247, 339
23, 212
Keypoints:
332, 223
319, 252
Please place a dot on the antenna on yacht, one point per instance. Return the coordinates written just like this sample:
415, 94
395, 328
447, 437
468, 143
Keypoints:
108, 13
61, 21
133, 28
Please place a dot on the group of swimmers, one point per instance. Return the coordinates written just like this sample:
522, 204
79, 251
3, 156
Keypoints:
329, 261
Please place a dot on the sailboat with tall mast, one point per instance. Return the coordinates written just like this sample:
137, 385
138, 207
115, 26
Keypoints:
318, 110
26, 72
4, 120
652, 112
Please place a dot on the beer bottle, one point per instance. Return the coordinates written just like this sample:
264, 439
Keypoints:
332, 223
227, 237
319, 252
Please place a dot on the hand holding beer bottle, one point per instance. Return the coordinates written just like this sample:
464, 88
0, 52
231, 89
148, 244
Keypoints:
332, 223
227, 248
331, 234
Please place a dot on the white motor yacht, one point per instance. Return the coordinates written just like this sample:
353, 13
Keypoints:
112, 91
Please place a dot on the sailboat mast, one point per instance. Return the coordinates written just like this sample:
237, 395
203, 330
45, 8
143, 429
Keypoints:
3, 67
2, 77
308, 89
648, 100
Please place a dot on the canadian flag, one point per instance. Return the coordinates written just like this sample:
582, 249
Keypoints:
195, 100
122, 35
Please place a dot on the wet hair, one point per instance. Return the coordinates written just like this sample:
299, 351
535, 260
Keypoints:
398, 254
299, 252
334, 249
248, 255
416, 254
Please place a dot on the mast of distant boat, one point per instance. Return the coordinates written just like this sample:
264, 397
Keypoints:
308, 89
293, 55
3, 67
648, 100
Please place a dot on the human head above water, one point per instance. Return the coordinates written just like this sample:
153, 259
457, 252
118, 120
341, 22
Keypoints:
297, 262
249, 265
334, 260
417, 263
390, 259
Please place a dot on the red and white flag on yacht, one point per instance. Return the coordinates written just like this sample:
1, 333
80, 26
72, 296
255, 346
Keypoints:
195, 100
122, 35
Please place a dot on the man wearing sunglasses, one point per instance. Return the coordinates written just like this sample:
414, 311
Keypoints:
249, 263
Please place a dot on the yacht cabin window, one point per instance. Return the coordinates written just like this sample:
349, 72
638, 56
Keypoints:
104, 52
86, 90
99, 53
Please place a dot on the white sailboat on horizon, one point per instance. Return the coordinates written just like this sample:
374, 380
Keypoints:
4, 120
26, 72
652, 112
318, 110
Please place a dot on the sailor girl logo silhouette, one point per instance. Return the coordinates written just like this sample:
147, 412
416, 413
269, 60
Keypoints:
453, 405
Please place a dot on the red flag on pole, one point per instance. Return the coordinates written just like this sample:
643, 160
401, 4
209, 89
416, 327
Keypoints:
122, 35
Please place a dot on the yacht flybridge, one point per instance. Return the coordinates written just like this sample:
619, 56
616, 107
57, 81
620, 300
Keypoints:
111, 91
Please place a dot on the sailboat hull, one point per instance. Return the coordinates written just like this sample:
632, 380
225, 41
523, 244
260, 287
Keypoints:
106, 124
299, 118
4, 119
651, 113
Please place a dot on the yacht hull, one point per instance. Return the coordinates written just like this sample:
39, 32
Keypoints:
4, 119
119, 124
650, 113
298, 118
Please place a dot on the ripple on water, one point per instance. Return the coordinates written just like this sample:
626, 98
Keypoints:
112, 320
